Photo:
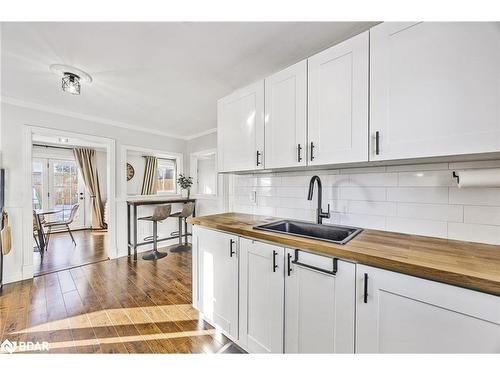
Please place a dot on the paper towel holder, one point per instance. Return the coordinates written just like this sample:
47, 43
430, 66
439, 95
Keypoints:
455, 175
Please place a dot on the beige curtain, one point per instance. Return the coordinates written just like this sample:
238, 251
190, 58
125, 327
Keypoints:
150, 175
85, 158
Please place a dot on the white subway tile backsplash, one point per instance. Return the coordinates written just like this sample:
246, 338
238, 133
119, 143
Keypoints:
475, 196
418, 194
373, 179
363, 221
419, 199
372, 208
440, 212
474, 233
426, 178
417, 226
363, 193
482, 215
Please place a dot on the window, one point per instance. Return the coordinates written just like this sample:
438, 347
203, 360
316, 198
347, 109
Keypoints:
166, 176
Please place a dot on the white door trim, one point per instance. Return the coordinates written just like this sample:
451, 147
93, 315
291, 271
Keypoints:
109, 144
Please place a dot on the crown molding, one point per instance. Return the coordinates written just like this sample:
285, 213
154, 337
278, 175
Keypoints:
45, 108
201, 134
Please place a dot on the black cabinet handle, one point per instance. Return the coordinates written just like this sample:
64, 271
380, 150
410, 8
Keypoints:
258, 158
365, 294
312, 151
289, 264
231, 251
299, 151
332, 272
274, 260
377, 142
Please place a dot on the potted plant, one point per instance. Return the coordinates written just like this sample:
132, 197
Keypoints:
185, 183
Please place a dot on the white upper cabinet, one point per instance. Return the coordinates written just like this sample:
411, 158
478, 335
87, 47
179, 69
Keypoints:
261, 297
396, 313
434, 89
240, 129
286, 117
338, 103
319, 304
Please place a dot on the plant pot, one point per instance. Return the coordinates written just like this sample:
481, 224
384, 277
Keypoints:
185, 193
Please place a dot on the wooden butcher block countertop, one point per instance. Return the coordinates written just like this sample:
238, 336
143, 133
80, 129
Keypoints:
467, 264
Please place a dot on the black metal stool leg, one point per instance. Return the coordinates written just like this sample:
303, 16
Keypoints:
155, 254
181, 247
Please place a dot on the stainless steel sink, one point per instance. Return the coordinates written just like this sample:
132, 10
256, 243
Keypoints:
333, 233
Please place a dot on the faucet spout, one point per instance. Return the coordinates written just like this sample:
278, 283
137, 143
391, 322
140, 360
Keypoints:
319, 211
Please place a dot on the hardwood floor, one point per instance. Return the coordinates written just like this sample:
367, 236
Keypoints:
115, 306
63, 254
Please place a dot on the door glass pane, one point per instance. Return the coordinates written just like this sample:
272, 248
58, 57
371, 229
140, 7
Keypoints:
65, 187
166, 176
37, 179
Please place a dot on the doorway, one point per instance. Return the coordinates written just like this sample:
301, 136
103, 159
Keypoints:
64, 235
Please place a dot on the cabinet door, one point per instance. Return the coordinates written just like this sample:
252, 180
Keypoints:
286, 117
338, 103
319, 307
261, 298
434, 89
405, 314
218, 279
240, 129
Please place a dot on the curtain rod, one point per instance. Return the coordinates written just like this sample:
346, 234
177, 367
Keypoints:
50, 146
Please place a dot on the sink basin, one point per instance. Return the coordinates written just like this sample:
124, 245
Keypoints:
332, 233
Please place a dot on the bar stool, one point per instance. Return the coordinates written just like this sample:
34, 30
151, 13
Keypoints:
187, 210
160, 213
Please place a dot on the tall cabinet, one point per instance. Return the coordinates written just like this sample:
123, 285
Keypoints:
240, 129
434, 89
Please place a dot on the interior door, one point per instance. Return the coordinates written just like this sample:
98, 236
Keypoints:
218, 279
434, 89
261, 297
338, 103
319, 306
240, 132
396, 313
286, 117
65, 189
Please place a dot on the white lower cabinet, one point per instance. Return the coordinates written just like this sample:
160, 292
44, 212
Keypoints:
215, 286
261, 297
319, 305
397, 313
269, 299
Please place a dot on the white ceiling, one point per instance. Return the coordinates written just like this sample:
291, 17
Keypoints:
163, 77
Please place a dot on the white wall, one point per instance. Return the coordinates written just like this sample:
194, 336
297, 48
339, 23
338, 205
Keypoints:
206, 205
13, 121
420, 199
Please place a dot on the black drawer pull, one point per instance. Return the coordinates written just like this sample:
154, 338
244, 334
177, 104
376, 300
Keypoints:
365, 294
274, 260
289, 264
231, 251
312, 151
377, 142
332, 272
299, 151
258, 158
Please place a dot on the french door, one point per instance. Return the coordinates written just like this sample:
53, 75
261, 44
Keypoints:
58, 184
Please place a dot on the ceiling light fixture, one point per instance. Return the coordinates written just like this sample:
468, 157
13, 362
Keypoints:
71, 83
71, 77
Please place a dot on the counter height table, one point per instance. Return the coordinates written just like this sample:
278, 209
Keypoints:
132, 210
